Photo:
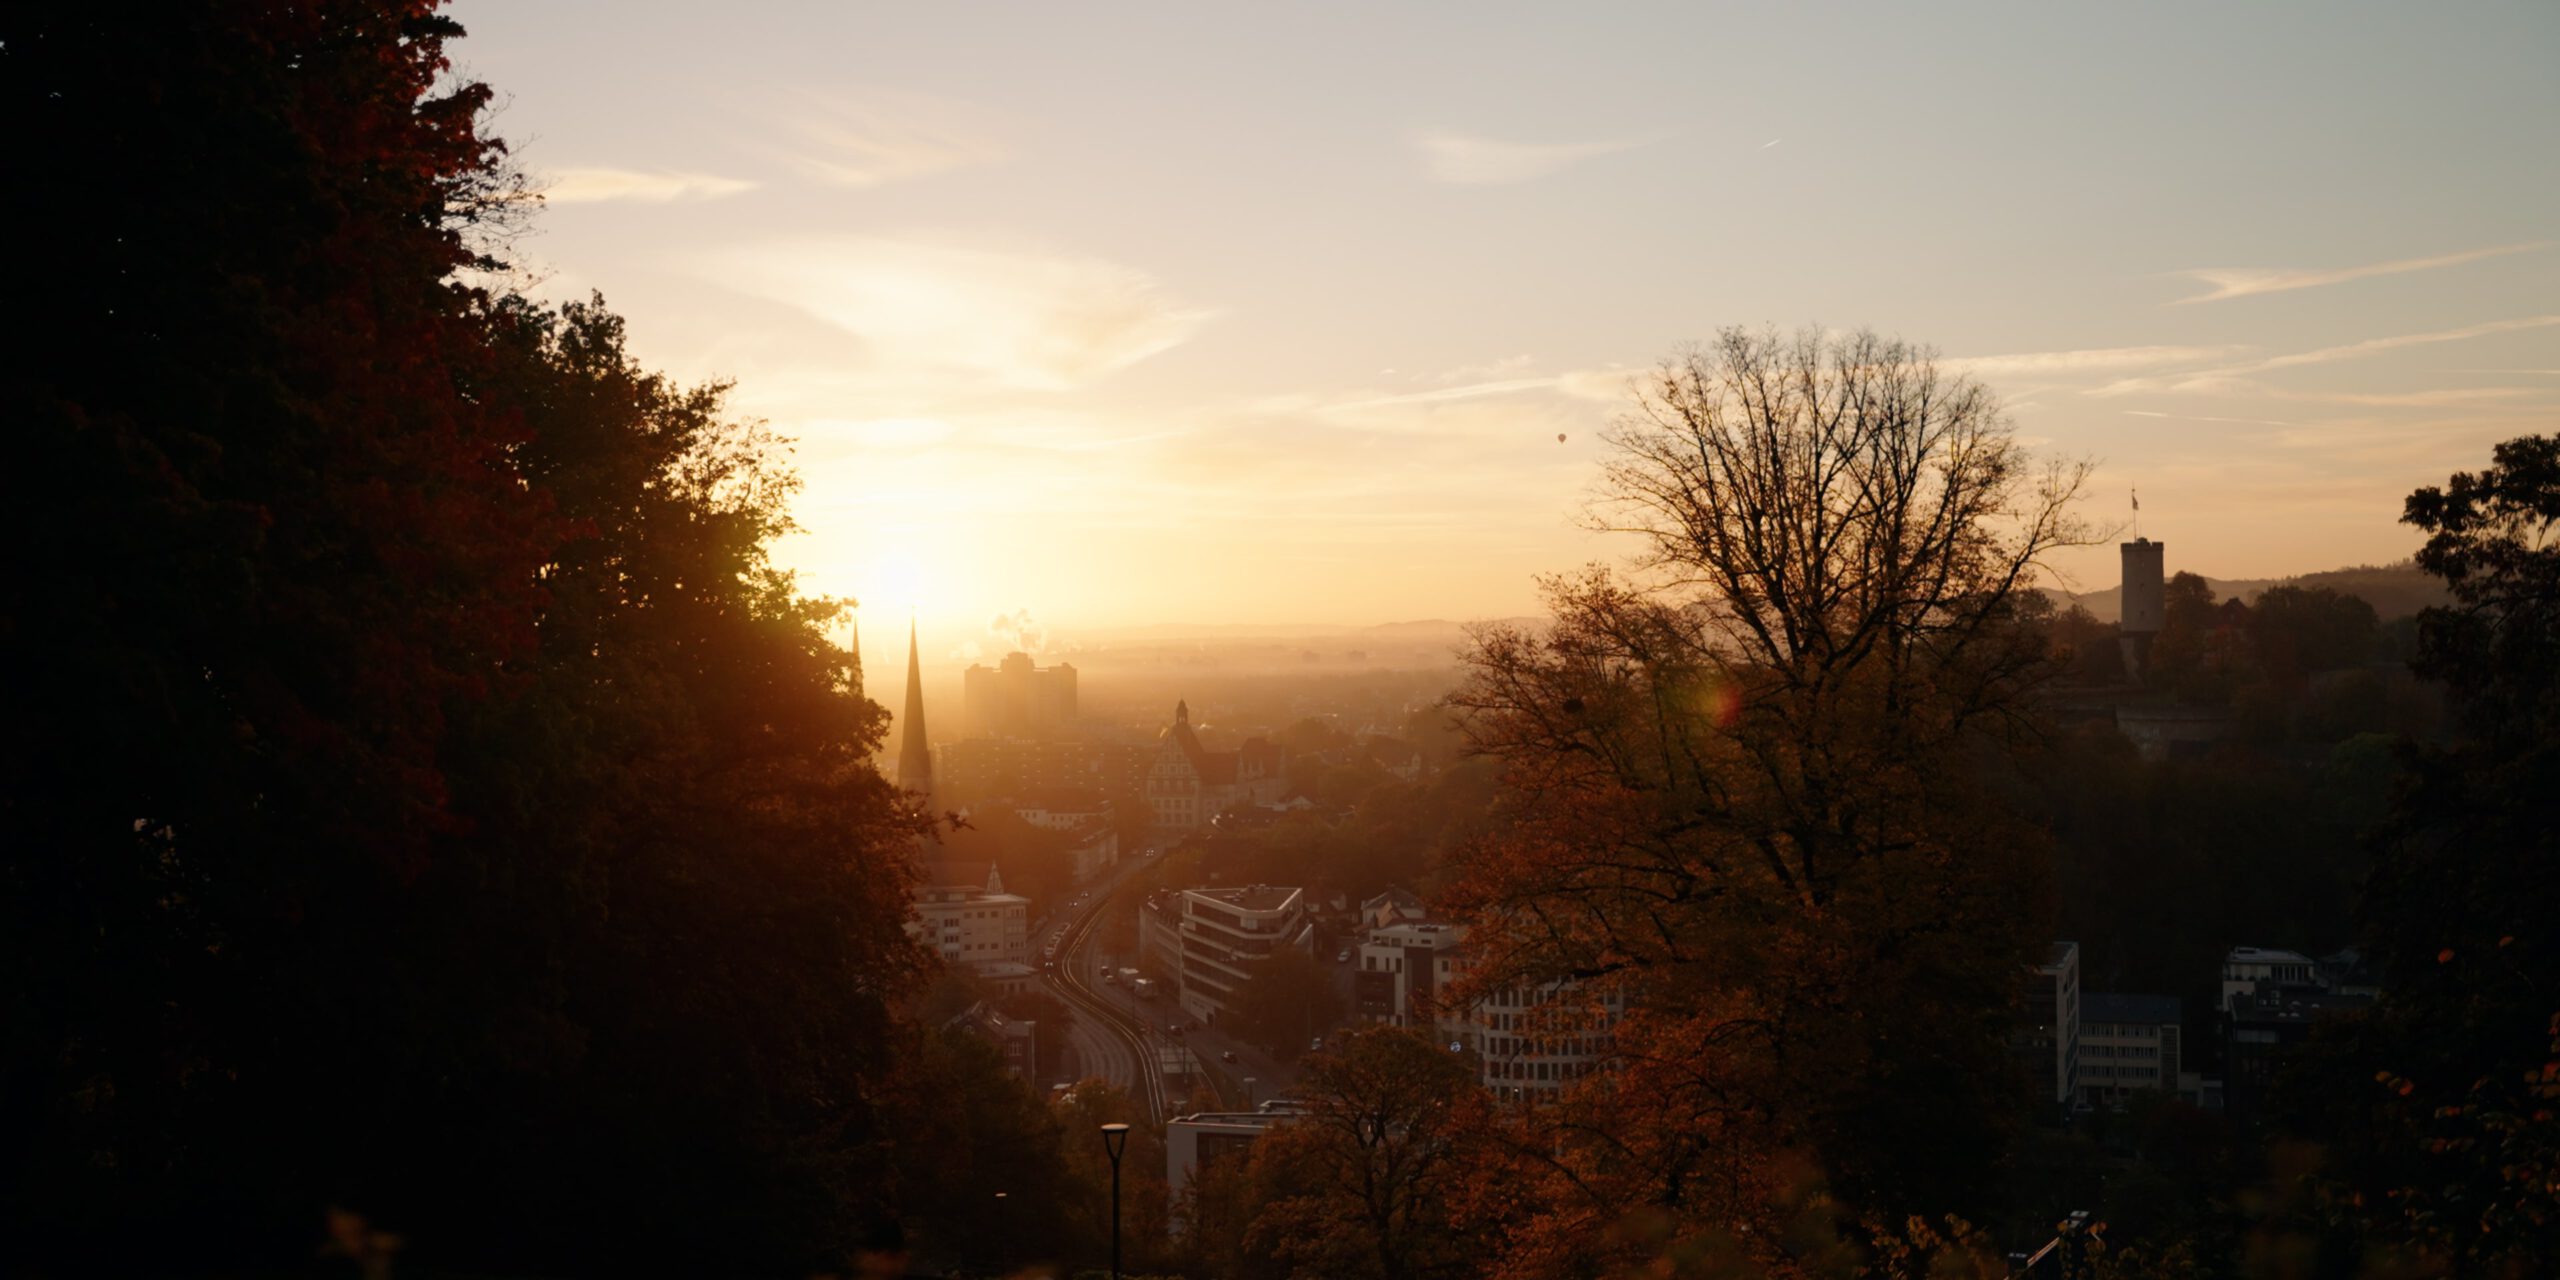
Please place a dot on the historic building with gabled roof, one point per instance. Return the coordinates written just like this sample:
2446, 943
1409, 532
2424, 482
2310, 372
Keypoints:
1187, 784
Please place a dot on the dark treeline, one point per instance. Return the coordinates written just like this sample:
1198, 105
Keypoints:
424, 798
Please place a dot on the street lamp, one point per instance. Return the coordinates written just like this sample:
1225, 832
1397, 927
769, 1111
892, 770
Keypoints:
1115, 1139
1001, 1236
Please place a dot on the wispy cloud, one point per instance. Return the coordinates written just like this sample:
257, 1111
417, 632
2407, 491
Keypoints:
2228, 378
2355, 350
2088, 360
871, 139
1028, 321
2192, 417
2242, 282
587, 186
1473, 161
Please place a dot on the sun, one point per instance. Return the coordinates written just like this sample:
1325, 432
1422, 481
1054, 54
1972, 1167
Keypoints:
895, 583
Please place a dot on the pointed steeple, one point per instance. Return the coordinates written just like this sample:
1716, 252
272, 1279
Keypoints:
1181, 712
853, 645
915, 761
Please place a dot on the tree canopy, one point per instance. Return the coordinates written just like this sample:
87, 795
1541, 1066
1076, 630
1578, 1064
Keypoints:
1747, 783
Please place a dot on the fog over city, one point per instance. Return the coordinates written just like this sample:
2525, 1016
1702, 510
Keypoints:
1325, 642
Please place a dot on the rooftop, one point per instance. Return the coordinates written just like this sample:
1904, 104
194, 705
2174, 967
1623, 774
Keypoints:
2108, 1006
1252, 897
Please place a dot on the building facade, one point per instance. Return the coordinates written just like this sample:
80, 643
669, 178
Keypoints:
1211, 938
1015, 699
965, 914
2048, 1036
2128, 1044
1187, 785
1530, 1042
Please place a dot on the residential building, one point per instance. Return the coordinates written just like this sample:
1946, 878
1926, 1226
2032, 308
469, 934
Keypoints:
1187, 784
1398, 981
1084, 814
964, 913
1015, 699
1015, 1038
2249, 970
2128, 1043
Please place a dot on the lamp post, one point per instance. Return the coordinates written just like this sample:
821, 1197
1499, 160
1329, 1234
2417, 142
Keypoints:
1001, 1236
1115, 1139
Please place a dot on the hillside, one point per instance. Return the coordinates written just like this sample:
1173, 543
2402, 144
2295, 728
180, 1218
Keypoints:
2394, 591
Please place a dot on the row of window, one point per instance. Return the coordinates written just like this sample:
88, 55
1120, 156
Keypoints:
2124, 1073
2119, 1051
1569, 1046
1539, 1070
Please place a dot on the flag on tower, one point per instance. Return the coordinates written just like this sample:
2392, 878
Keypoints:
2137, 499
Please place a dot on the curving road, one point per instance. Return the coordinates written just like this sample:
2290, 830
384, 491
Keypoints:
1109, 1041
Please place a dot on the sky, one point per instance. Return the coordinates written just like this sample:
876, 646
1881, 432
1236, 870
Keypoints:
1123, 314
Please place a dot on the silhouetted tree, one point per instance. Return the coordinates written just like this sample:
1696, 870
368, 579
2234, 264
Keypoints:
2458, 1063
1362, 1183
435, 803
1747, 783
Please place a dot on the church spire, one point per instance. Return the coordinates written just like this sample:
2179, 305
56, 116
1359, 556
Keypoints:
915, 762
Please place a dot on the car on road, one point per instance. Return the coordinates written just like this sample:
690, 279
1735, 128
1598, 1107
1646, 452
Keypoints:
1173, 1028
1110, 977
1316, 1045
1227, 1055
1342, 955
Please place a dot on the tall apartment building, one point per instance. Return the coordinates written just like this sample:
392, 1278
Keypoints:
2047, 1039
1207, 940
1015, 699
2128, 1043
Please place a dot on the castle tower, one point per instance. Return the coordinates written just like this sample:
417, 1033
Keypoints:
915, 760
2142, 608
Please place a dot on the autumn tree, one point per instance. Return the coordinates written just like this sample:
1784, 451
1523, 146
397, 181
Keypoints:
436, 804
1752, 776
1362, 1183
2455, 1067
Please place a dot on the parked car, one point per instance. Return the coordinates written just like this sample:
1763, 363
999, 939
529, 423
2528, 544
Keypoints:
1227, 1055
1342, 956
1316, 1045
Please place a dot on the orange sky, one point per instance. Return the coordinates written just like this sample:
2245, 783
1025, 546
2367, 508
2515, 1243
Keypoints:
1123, 315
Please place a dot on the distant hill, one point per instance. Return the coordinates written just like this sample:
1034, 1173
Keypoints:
2394, 590
1422, 630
